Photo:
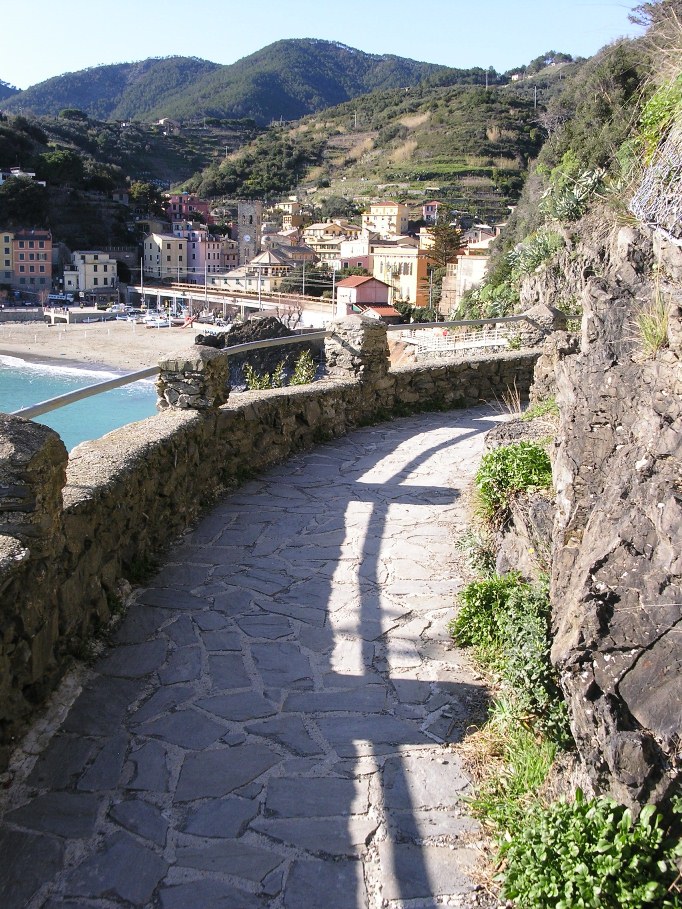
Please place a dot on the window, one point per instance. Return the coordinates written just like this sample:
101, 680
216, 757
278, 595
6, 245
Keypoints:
31, 268
7, 263
41, 244
95, 282
31, 244
42, 268
21, 244
32, 256
105, 268
21, 268
94, 268
95, 258
21, 257
168, 258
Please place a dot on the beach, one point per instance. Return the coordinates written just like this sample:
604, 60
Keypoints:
122, 346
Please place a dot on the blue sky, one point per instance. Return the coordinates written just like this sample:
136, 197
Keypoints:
48, 38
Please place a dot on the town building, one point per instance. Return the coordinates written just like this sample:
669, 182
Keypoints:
388, 219
430, 211
90, 271
27, 259
403, 267
249, 229
185, 207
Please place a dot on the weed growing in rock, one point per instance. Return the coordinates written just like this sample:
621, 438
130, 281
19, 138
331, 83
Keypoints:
592, 854
652, 326
547, 408
478, 546
510, 469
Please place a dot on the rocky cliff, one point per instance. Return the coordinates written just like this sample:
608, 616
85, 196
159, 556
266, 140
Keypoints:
617, 539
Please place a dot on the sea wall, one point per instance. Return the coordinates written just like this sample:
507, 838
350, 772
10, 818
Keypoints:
76, 530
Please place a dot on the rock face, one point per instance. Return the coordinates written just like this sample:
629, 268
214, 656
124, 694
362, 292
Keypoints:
617, 547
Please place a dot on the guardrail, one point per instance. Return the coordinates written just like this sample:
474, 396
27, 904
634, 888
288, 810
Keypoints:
80, 394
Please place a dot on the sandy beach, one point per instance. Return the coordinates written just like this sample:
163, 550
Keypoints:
123, 346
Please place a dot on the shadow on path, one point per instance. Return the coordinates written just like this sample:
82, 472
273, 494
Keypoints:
270, 727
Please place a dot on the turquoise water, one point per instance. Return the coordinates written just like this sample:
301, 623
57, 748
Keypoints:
23, 383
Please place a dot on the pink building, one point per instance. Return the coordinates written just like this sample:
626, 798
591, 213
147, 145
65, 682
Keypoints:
184, 206
360, 290
430, 211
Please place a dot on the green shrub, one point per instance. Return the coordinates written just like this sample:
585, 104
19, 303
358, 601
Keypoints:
522, 466
304, 369
482, 604
254, 381
535, 250
508, 622
591, 854
659, 113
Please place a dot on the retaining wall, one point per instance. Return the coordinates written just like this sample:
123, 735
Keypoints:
71, 529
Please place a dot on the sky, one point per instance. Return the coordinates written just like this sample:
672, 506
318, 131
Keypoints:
76, 34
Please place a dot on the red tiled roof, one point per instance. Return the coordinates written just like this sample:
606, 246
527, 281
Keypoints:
381, 310
355, 280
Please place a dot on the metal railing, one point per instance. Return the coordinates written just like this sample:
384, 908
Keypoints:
80, 394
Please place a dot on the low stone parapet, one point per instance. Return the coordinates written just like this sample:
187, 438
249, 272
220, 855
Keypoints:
74, 531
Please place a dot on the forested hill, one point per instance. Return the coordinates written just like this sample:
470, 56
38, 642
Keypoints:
6, 90
285, 80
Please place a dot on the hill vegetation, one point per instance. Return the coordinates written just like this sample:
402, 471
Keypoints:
449, 136
288, 79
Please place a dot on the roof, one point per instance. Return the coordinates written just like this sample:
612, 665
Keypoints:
357, 280
381, 310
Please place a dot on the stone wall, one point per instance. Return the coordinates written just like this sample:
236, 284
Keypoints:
73, 531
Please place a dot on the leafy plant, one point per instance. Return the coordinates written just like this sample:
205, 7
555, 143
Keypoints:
505, 471
591, 854
482, 603
279, 376
535, 250
507, 621
478, 546
304, 369
255, 381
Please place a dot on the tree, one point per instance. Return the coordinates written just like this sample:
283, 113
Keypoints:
23, 203
72, 113
447, 242
146, 196
60, 167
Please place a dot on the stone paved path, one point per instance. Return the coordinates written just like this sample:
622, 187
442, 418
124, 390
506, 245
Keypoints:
268, 727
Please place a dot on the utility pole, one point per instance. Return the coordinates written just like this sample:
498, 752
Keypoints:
333, 289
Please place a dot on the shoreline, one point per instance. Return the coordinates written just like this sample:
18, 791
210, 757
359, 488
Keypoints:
119, 347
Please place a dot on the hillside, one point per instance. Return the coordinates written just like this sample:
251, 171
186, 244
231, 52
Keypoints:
288, 79
464, 143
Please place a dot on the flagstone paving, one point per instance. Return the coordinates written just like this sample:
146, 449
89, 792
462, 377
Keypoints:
274, 722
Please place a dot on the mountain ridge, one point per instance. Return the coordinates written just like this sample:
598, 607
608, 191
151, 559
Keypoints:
287, 79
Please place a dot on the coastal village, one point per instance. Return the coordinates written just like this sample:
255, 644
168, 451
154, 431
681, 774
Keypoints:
381, 266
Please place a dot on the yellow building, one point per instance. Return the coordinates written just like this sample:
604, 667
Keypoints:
165, 256
404, 268
389, 219
90, 270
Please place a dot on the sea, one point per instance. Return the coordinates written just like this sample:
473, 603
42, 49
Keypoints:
24, 382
